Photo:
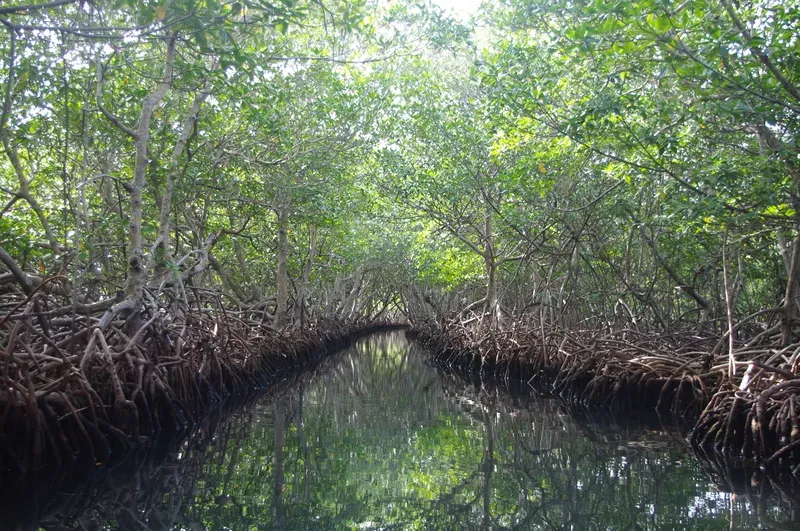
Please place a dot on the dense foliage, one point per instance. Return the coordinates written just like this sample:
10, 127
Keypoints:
582, 162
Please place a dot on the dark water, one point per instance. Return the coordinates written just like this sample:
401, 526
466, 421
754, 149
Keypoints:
376, 438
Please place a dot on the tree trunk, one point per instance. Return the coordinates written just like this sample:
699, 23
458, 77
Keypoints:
161, 253
789, 302
306, 277
281, 276
705, 306
492, 304
137, 274
490, 262
349, 306
11, 150
226, 279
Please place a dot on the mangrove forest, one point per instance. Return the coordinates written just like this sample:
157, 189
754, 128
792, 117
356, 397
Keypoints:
399, 264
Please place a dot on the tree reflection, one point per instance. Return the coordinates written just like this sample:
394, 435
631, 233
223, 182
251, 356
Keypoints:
375, 438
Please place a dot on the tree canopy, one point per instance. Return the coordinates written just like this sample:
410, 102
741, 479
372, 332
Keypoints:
575, 161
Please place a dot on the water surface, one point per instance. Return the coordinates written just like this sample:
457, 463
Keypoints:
377, 438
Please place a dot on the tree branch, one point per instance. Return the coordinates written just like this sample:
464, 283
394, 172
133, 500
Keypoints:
98, 95
12, 55
761, 54
19, 10
22, 278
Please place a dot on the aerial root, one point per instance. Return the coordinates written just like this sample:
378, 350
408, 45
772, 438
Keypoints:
752, 417
105, 389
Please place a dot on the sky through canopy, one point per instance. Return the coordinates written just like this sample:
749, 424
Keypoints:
462, 9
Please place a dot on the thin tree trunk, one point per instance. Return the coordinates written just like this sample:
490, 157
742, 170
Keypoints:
24, 193
491, 263
11, 150
282, 274
492, 309
729, 306
306, 276
137, 274
789, 303
27, 287
161, 253
689, 289
350, 301
226, 279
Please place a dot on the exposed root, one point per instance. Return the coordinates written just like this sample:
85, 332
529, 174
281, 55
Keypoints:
750, 418
68, 396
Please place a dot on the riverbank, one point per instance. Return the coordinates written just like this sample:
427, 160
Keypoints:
34, 500
98, 393
747, 415
377, 434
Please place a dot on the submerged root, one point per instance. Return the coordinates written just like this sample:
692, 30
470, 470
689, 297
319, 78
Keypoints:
108, 388
756, 425
753, 419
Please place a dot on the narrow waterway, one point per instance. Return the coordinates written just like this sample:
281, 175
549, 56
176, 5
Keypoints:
377, 438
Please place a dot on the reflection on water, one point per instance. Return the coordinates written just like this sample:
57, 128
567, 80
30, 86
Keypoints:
378, 439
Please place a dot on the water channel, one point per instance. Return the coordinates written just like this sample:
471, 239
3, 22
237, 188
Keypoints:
378, 438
